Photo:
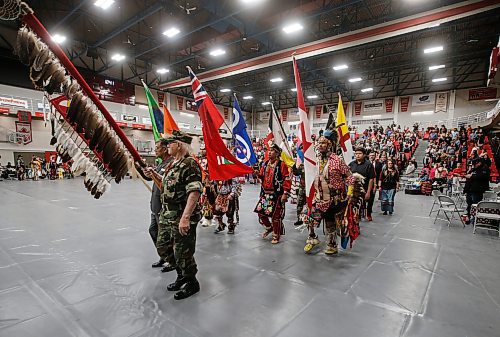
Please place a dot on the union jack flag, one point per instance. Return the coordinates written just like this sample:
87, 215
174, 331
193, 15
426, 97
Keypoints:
199, 92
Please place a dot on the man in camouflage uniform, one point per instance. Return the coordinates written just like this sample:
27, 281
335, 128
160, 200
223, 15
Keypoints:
181, 188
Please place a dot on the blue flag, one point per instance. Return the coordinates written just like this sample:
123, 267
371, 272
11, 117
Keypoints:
244, 149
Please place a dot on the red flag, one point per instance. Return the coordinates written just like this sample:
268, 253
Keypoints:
222, 164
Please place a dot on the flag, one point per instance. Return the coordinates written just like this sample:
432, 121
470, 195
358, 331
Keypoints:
222, 165
169, 124
344, 135
309, 160
244, 148
277, 133
155, 113
300, 153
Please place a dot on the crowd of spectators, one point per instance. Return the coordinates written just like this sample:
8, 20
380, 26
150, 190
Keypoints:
459, 159
37, 168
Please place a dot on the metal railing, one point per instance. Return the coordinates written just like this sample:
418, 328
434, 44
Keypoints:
478, 119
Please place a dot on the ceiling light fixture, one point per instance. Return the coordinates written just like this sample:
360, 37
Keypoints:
294, 89
58, 38
162, 71
292, 28
356, 79
433, 49
171, 32
312, 96
441, 66
118, 57
225, 90
104, 4
441, 79
217, 52
341, 67
248, 97
276, 79
367, 90
266, 103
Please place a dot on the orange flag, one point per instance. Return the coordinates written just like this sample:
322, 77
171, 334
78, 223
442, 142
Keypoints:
169, 124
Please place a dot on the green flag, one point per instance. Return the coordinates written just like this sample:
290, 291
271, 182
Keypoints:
155, 113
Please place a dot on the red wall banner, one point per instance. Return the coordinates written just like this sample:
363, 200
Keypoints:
405, 102
357, 108
180, 103
161, 98
482, 93
4, 110
345, 105
284, 114
319, 110
389, 105
226, 112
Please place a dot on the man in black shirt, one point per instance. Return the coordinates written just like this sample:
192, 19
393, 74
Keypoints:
365, 168
477, 183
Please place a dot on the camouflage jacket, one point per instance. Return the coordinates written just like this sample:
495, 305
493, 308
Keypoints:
182, 178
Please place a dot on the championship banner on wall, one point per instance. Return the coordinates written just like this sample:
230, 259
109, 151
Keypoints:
284, 115
161, 98
357, 108
425, 99
319, 111
482, 93
24, 129
180, 103
441, 102
404, 102
226, 112
373, 106
389, 105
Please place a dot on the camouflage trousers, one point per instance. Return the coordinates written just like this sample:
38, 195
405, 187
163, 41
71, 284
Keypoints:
301, 200
178, 250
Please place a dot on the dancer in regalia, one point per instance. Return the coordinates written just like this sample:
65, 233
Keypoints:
334, 188
227, 193
276, 185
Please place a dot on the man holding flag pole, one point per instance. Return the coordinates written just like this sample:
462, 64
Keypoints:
326, 180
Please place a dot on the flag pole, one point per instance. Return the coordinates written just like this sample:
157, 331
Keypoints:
273, 111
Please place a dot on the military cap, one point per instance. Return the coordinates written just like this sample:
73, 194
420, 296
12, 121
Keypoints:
180, 136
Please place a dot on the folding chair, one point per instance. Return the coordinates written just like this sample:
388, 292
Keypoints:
447, 206
458, 194
489, 196
487, 210
435, 195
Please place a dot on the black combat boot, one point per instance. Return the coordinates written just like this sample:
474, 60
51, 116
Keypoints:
167, 268
158, 264
191, 288
230, 228
179, 282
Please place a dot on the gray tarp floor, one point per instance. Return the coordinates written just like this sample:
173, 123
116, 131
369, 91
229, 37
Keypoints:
74, 266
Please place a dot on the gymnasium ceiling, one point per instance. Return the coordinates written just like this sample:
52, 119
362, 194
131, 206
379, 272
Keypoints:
246, 30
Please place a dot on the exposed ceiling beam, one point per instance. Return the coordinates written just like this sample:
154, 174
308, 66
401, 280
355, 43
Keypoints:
371, 34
